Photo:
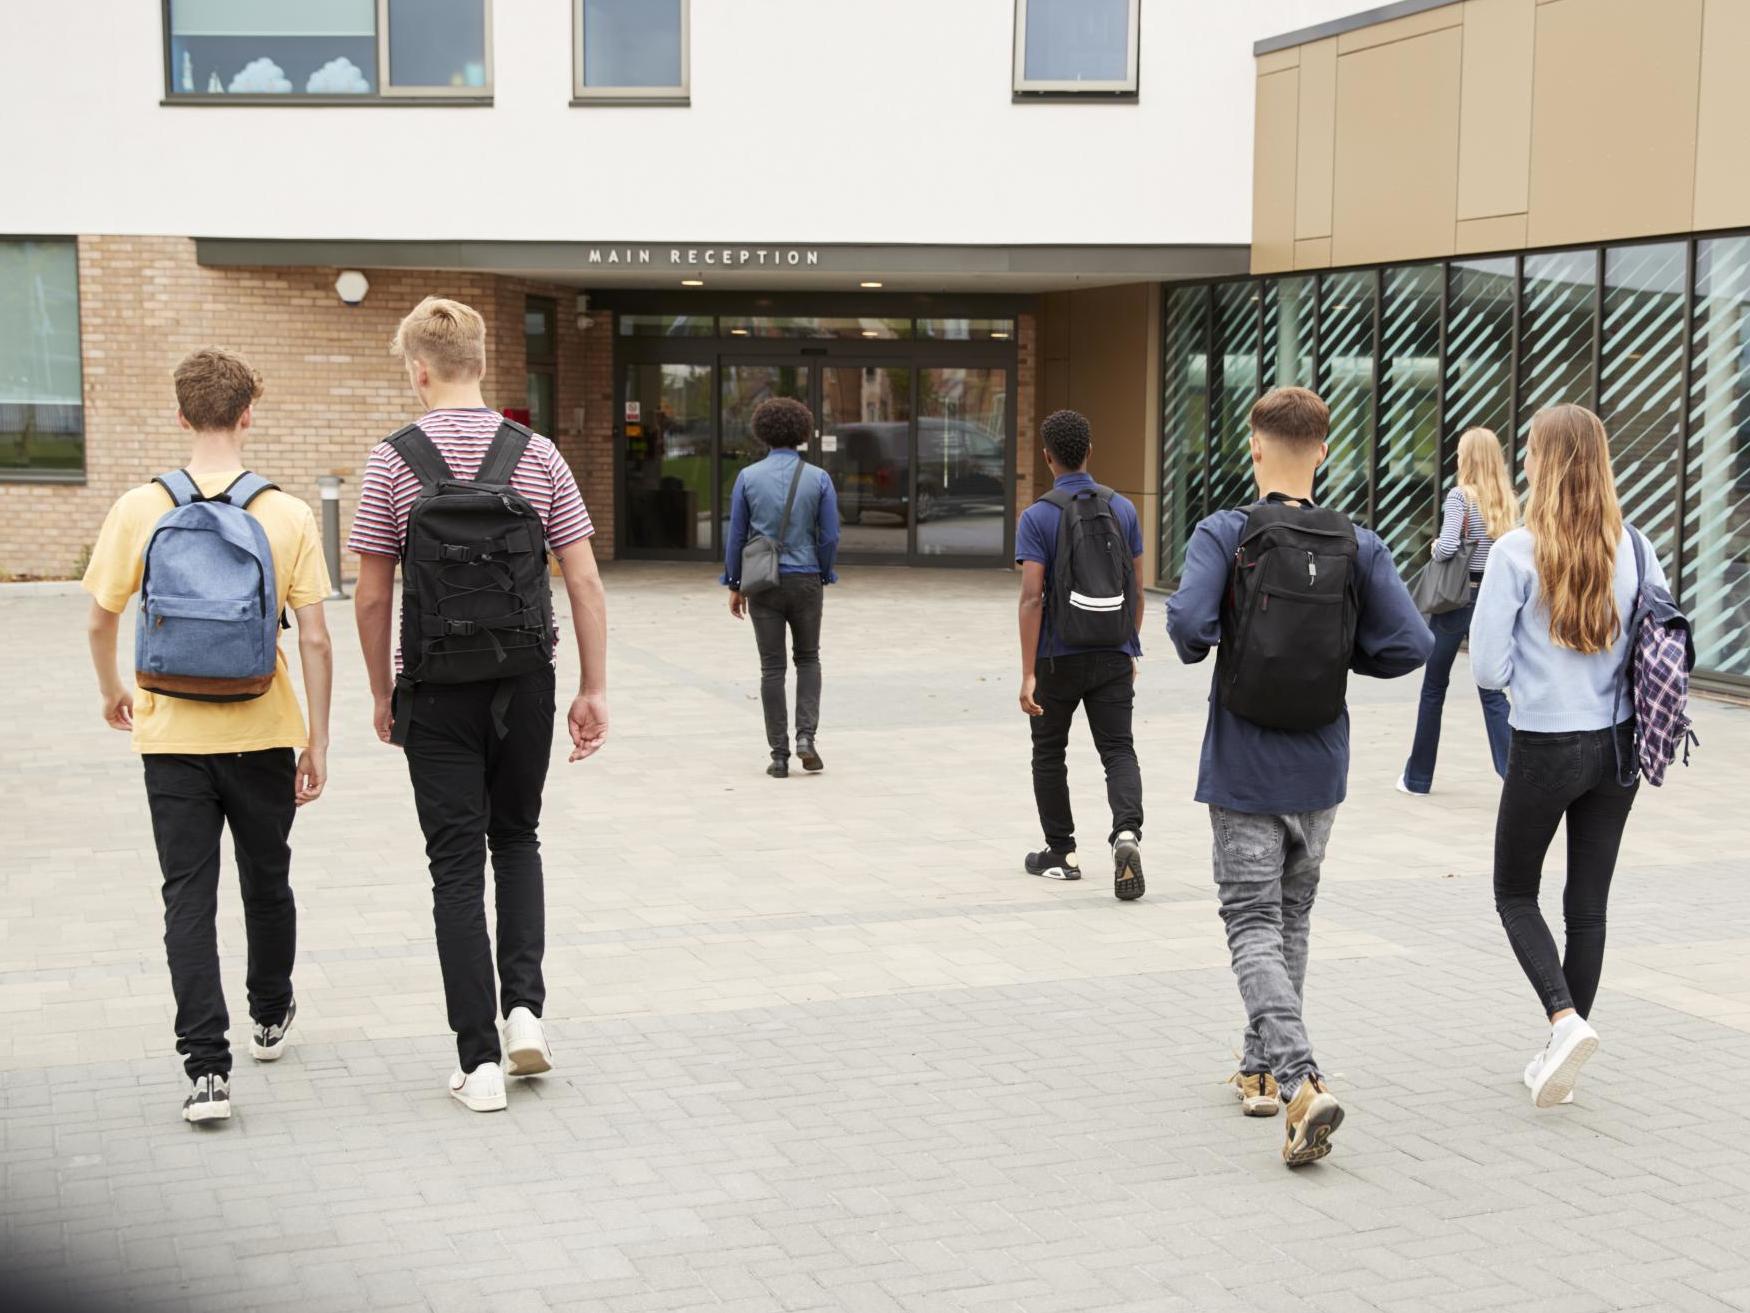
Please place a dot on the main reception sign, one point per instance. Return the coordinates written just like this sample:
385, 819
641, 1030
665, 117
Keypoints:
700, 257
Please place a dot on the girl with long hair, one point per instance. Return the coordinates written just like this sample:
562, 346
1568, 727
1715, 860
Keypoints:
1479, 509
1551, 624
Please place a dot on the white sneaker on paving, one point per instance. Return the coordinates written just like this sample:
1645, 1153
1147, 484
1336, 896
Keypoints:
480, 1090
1404, 787
1571, 1043
209, 1099
1532, 1069
268, 1043
525, 1044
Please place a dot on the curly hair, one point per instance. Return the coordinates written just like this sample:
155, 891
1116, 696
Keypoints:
783, 422
1067, 438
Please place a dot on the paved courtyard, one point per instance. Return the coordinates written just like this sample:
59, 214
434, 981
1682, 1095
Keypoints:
822, 1045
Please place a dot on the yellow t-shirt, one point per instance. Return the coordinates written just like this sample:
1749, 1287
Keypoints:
167, 724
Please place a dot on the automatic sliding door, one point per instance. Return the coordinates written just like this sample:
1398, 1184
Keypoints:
963, 462
668, 457
865, 445
745, 385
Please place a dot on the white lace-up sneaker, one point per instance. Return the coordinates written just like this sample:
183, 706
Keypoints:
480, 1090
525, 1044
1571, 1043
1533, 1068
209, 1099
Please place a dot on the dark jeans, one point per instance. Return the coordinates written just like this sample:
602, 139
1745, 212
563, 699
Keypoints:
477, 791
1549, 777
192, 798
793, 607
1102, 684
1450, 630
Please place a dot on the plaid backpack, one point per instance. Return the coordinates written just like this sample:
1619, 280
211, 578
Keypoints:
1661, 653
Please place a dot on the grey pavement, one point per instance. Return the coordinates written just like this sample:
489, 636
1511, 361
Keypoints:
822, 1045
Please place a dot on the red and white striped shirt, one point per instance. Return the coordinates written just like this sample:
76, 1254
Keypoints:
379, 525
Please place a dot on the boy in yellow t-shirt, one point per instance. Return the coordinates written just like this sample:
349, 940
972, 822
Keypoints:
209, 764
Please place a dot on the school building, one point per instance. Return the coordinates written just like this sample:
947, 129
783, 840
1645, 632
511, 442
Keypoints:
934, 223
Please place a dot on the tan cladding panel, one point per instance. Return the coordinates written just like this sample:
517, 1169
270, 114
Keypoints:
1397, 150
1273, 170
1614, 119
1494, 131
1398, 29
1722, 152
1316, 148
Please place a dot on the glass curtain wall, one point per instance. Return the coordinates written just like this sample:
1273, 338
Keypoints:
1654, 336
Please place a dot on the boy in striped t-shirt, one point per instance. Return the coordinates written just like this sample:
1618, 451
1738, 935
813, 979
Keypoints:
478, 766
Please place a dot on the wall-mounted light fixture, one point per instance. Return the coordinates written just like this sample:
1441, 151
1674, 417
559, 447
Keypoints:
351, 286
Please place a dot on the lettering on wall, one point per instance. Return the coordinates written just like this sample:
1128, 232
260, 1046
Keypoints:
701, 257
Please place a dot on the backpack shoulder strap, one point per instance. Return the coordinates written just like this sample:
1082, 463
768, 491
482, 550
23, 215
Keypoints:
501, 458
421, 455
1056, 497
180, 486
1640, 546
245, 488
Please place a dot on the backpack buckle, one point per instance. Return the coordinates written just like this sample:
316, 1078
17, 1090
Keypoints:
461, 628
451, 552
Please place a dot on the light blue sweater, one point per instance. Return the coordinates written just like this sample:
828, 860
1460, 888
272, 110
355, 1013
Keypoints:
1555, 689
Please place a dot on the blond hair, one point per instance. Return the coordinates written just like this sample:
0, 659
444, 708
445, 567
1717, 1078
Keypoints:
1484, 481
449, 337
1576, 525
214, 387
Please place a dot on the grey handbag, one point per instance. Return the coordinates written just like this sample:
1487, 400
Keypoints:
1442, 586
761, 557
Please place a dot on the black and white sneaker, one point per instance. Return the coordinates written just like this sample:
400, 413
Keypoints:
209, 1099
1054, 866
268, 1043
1127, 866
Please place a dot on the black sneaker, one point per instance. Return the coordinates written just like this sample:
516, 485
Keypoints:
779, 769
268, 1043
1053, 866
209, 1099
1127, 866
810, 758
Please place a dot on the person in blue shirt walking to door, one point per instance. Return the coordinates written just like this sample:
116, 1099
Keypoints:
809, 547
1057, 677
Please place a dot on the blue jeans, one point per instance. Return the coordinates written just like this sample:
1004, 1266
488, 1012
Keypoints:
1450, 630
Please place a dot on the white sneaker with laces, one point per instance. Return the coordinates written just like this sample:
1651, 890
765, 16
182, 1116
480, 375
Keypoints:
1532, 1069
480, 1090
525, 1044
1571, 1043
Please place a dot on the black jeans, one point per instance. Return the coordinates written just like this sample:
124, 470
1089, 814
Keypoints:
1549, 777
1102, 684
794, 607
192, 798
477, 791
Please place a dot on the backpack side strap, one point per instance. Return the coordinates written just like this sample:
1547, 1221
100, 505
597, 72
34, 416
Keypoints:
502, 457
181, 487
422, 456
245, 488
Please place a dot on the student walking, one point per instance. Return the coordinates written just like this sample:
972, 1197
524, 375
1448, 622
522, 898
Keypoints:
784, 514
1479, 509
1550, 624
1080, 552
469, 504
218, 555
1293, 597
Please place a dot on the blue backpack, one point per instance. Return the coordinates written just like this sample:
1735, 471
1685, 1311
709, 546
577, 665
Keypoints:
209, 619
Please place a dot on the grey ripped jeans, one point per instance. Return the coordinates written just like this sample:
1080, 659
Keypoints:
1267, 872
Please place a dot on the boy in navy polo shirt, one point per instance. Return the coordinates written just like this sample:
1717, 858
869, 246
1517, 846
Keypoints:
1272, 793
1056, 678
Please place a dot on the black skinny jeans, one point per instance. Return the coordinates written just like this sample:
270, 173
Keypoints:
1549, 777
476, 791
192, 798
1102, 683
794, 608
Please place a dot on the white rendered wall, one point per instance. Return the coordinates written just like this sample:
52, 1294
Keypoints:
880, 121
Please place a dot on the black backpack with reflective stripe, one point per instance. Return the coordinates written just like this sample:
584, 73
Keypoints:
1092, 599
476, 605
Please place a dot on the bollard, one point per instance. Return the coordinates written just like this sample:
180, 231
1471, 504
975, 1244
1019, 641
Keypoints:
330, 485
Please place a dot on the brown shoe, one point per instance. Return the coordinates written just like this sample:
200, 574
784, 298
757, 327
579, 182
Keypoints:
1313, 1116
1258, 1093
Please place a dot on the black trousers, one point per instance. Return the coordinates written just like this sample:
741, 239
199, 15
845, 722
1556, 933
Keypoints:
476, 791
192, 799
1101, 684
793, 608
1551, 777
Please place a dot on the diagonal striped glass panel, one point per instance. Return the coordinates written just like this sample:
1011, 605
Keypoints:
1230, 453
1479, 352
1407, 497
1290, 305
1557, 321
1346, 382
1716, 512
1641, 388
1184, 423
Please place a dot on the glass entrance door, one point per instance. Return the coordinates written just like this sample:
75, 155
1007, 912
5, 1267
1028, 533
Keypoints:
744, 385
865, 444
668, 457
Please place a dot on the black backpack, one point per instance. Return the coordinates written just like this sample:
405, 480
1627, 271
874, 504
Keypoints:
1092, 601
1288, 620
475, 601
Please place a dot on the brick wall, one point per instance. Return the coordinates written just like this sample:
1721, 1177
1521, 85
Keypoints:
1026, 408
332, 388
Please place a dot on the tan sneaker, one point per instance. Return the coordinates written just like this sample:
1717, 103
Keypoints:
1313, 1115
1258, 1093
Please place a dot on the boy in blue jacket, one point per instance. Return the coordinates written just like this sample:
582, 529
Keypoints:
1273, 794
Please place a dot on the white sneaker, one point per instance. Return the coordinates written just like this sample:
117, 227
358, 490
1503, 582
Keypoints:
481, 1090
525, 1044
1404, 787
1571, 1043
209, 1099
1532, 1069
